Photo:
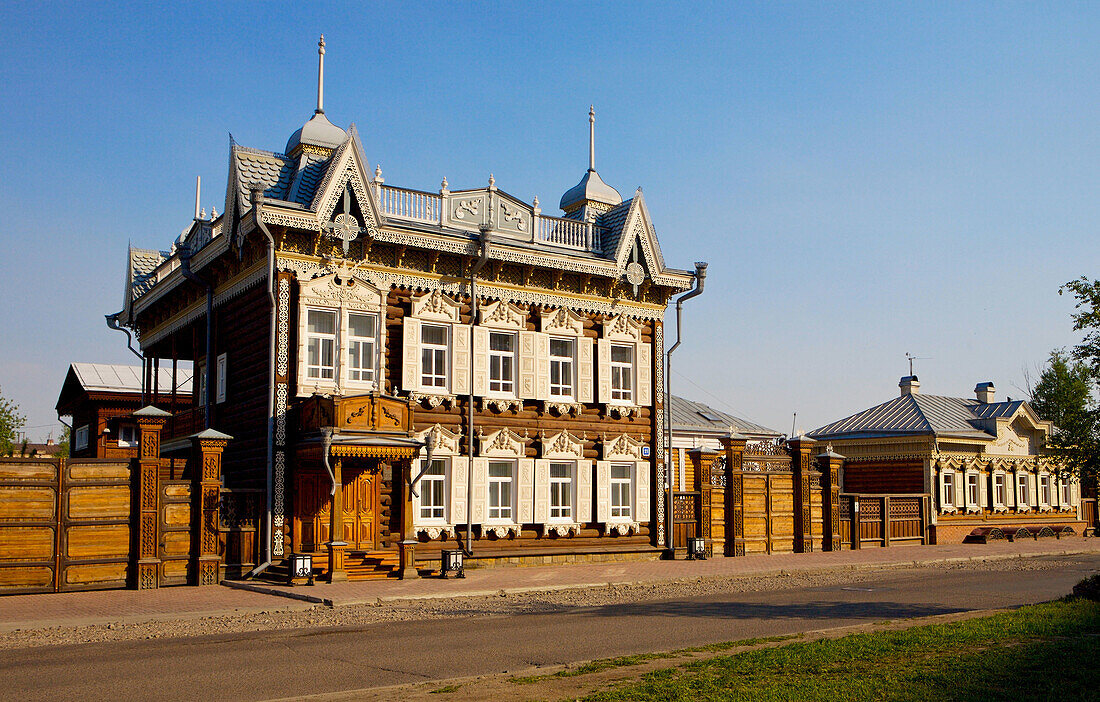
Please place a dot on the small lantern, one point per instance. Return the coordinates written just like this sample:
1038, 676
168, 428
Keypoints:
452, 563
697, 548
301, 567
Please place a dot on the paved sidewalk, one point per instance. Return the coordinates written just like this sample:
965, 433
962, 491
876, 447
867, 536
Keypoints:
131, 606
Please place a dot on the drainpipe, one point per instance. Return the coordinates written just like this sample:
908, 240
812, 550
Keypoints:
482, 259
185, 268
700, 278
112, 323
257, 211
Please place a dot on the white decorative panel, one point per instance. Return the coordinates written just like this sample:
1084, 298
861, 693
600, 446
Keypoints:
603, 491
584, 491
542, 366
641, 491
542, 491
527, 364
644, 371
460, 359
525, 498
481, 490
603, 355
410, 353
585, 378
460, 470
481, 361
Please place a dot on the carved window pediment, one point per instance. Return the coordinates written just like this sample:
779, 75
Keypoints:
623, 328
562, 445
622, 447
503, 315
436, 305
562, 321
341, 289
442, 441
504, 443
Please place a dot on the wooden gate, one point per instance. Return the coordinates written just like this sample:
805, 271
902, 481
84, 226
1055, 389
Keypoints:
868, 521
64, 524
175, 531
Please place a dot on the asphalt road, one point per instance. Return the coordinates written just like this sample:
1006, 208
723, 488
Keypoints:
264, 665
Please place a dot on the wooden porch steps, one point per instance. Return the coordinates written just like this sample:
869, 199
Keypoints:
372, 565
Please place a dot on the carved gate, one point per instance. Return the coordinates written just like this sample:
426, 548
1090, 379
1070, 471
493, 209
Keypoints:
175, 531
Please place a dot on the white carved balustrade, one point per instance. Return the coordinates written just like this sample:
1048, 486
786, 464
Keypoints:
410, 204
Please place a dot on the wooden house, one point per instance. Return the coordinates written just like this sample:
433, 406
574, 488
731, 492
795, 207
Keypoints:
979, 463
402, 371
100, 399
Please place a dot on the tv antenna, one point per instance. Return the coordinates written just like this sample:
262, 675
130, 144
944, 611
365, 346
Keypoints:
910, 357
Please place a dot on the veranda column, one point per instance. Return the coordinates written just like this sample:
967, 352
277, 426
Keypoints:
144, 556
336, 543
408, 534
206, 485
800, 459
734, 448
829, 462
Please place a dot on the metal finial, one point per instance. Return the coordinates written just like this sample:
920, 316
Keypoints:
321, 75
198, 194
591, 137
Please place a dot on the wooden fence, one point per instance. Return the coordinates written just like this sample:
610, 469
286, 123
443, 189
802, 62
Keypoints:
871, 520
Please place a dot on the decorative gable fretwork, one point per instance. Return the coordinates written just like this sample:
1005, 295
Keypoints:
562, 445
622, 328
622, 447
503, 443
341, 289
436, 305
562, 321
503, 315
442, 441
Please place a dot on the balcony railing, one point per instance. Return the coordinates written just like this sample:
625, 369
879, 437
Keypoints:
569, 233
416, 205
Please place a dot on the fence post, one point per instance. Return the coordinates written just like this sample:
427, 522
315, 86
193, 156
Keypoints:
206, 485
145, 555
829, 463
886, 520
857, 520
734, 448
702, 477
800, 457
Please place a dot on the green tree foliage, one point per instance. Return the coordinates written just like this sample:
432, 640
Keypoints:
11, 421
1063, 395
63, 443
1079, 442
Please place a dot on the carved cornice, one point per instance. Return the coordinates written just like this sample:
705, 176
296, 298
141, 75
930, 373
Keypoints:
431, 400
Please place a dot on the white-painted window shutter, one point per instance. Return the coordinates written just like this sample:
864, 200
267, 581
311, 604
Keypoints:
584, 491
1010, 489
603, 360
542, 366
1033, 489
410, 353
942, 489
525, 499
603, 491
960, 491
542, 491
585, 379
1055, 491
641, 491
983, 492
643, 370
481, 490
481, 361
460, 359
460, 468
528, 353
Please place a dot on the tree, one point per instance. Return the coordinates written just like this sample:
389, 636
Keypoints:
11, 421
63, 443
1063, 395
1086, 456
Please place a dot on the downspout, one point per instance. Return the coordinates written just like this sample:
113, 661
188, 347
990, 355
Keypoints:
482, 259
112, 323
185, 268
257, 211
700, 278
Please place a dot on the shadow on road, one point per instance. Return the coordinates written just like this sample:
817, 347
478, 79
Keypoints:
761, 610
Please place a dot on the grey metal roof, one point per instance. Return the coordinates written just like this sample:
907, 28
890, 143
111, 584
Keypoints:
590, 189
318, 131
613, 219
689, 416
273, 172
104, 377
919, 414
142, 264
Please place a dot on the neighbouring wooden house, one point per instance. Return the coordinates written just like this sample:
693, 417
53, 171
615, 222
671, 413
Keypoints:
978, 463
101, 398
402, 371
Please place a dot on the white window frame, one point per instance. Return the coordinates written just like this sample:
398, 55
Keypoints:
80, 437
619, 485
445, 347
221, 369
200, 401
570, 483
499, 385
333, 340
1023, 498
565, 366
431, 478
1000, 492
973, 490
1046, 490
372, 355
628, 370
947, 493
123, 430
343, 295
1066, 493
497, 481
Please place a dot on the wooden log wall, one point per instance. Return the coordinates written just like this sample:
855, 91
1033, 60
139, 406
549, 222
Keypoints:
883, 477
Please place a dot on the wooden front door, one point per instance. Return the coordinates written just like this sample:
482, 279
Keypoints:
362, 505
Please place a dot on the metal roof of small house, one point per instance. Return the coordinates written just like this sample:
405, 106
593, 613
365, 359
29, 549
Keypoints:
104, 377
920, 414
689, 416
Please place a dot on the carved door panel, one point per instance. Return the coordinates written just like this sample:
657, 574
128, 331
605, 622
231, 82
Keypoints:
311, 511
361, 497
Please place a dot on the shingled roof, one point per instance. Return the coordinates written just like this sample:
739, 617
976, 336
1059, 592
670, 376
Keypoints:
920, 414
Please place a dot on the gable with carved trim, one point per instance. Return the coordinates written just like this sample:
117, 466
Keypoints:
504, 443
503, 315
562, 445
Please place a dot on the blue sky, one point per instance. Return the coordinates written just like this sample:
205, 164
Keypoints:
865, 179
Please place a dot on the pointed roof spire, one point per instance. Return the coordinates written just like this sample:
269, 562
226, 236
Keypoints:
591, 137
321, 76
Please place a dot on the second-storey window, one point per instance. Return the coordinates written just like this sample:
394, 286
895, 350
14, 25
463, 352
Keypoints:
561, 490
362, 332
320, 344
622, 373
620, 490
972, 489
500, 490
561, 367
999, 495
127, 435
433, 491
433, 356
502, 362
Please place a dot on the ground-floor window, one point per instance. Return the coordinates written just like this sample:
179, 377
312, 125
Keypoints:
999, 495
948, 489
621, 490
433, 490
1045, 489
561, 490
972, 489
501, 494
1023, 496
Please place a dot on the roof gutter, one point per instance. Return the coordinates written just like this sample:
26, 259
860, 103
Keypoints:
483, 258
112, 323
700, 279
257, 216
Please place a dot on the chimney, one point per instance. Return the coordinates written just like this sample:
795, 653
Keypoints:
909, 385
984, 392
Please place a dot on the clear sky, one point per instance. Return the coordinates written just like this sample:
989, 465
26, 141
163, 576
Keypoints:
865, 179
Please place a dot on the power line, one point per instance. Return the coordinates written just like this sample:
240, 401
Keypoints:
732, 410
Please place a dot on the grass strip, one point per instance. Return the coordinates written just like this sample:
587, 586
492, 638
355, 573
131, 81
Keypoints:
1040, 652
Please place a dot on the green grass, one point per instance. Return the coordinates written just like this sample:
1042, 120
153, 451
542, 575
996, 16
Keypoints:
1042, 652
444, 690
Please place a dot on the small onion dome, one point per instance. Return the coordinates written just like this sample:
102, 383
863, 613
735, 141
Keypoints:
318, 131
590, 189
